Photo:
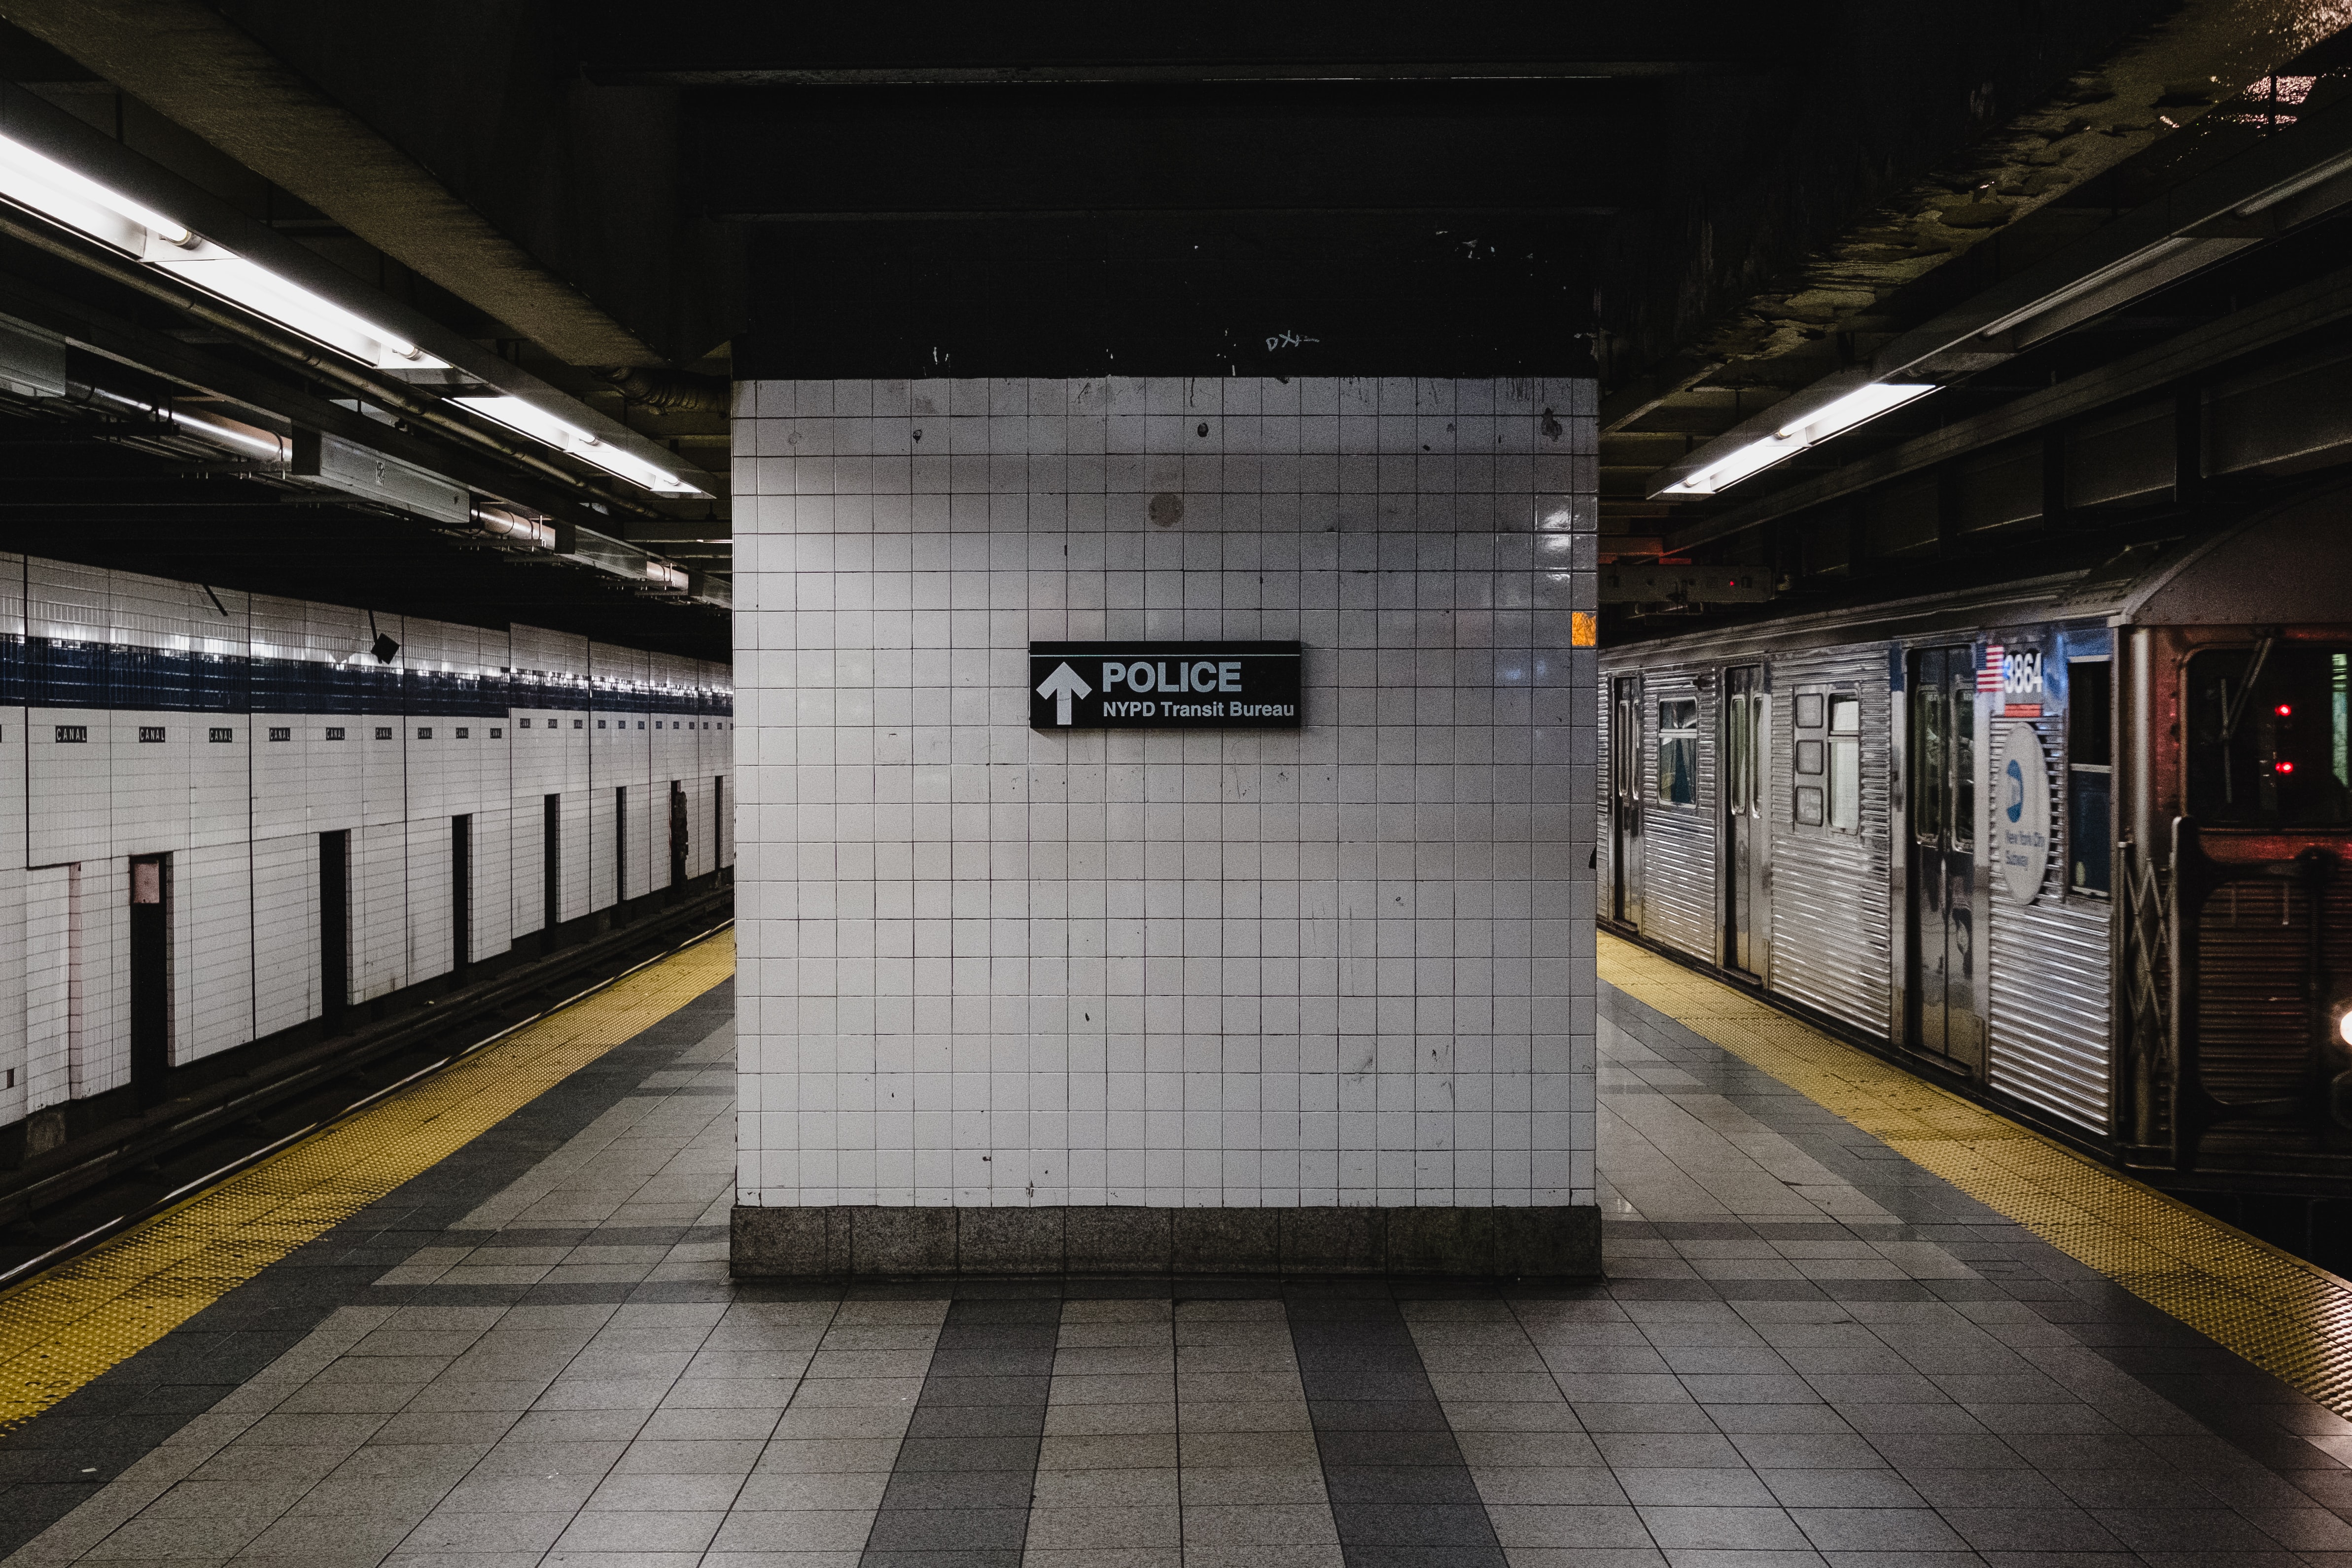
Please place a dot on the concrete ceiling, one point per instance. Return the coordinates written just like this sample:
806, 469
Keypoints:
190, 63
1926, 241
1709, 203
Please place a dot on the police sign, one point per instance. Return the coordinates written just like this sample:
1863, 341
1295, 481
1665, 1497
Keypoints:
1163, 685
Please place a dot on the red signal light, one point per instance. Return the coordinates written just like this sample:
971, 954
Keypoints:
2282, 767
2284, 710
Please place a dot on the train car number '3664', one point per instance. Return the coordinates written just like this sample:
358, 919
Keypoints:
1163, 685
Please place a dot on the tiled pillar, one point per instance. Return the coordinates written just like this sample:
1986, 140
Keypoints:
1145, 1000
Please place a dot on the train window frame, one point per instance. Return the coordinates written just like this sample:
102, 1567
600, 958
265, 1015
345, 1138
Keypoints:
1676, 774
1732, 763
2090, 777
2259, 732
1808, 759
1846, 762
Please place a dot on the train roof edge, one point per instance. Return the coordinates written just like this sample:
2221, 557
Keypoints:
2286, 564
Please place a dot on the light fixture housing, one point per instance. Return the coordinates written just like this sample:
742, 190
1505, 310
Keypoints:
2317, 174
1857, 407
2138, 261
38, 183
64, 195
529, 419
216, 270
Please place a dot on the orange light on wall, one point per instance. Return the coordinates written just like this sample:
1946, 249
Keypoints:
1584, 629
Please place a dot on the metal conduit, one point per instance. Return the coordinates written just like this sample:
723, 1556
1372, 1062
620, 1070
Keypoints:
288, 346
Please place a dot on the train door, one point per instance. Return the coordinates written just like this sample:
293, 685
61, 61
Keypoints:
1942, 873
1747, 913
1626, 800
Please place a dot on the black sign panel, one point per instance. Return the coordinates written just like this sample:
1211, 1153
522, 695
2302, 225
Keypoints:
1163, 685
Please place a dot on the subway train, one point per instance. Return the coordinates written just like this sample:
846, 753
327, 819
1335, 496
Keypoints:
2075, 844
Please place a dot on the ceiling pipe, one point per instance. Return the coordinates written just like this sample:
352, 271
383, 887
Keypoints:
501, 523
288, 346
670, 392
247, 441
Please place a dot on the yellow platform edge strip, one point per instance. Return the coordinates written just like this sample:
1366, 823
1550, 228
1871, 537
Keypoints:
2288, 1317
62, 1328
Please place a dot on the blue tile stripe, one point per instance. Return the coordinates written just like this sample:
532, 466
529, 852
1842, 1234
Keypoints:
58, 673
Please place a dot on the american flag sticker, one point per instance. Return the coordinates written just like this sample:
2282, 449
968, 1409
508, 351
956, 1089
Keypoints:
1989, 672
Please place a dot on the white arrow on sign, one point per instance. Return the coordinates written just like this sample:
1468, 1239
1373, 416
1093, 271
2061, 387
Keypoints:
1063, 685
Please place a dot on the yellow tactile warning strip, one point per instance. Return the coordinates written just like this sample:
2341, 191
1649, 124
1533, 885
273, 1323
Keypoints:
60, 1329
2287, 1317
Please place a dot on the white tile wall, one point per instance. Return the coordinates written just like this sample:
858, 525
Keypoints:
215, 987
240, 820
550, 756
285, 875
984, 965
14, 891
620, 755
50, 983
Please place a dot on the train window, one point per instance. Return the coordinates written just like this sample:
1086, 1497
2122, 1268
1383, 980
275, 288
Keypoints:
1737, 745
1808, 710
1845, 764
2268, 732
2090, 761
1678, 753
1810, 754
2090, 716
1964, 764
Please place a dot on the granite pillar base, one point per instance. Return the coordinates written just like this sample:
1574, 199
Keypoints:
846, 1242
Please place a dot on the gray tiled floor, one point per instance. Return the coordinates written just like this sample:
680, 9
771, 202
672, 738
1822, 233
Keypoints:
1809, 1356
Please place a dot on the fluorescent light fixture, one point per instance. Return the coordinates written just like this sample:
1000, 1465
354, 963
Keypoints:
37, 181
2317, 174
218, 270
62, 195
1750, 460
2137, 261
529, 419
1856, 407
532, 419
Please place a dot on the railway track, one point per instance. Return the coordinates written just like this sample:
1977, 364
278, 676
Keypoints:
58, 1204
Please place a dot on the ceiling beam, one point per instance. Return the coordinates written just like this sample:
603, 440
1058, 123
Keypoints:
2269, 327
1149, 74
2152, 84
189, 63
714, 43
970, 151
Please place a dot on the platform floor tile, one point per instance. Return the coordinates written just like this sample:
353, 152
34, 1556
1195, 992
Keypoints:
1811, 1353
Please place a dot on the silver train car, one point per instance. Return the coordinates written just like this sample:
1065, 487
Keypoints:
2077, 845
